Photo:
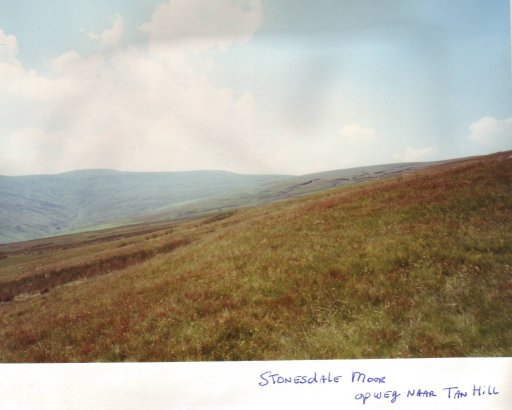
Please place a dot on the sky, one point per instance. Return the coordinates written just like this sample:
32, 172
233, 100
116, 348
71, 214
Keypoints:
251, 86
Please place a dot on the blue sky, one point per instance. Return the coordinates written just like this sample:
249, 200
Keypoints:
251, 86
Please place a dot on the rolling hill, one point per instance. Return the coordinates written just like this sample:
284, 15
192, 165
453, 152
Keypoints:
415, 264
47, 205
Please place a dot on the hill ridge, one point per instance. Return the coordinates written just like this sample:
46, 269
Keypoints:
38, 206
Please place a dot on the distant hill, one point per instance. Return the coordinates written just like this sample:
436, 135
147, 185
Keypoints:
46, 205
284, 188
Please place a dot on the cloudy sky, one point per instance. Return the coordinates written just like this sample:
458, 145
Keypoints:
250, 86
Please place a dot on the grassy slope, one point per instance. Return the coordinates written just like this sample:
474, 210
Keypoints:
416, 265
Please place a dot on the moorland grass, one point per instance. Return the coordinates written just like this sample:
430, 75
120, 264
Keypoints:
418, 265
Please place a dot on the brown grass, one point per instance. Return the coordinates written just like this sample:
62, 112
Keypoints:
417, 265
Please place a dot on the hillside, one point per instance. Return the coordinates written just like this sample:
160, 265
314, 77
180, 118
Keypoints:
45, 205
285, 188
40, 206
418, 264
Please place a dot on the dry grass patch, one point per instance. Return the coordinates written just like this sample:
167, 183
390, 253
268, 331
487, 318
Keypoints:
418, 265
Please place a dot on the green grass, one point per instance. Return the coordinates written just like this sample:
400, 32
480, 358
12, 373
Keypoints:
418, 265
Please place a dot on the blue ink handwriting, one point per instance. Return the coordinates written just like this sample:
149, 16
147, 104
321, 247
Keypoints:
269, 378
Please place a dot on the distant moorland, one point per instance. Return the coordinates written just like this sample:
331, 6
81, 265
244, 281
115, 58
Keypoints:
397, 261
39, 206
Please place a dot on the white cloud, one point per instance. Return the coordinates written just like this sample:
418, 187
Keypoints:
133, 110
412, 154
8, 47
110, 37
204, 24
19, 87
10, 68
129, 111
492, 133
354, 133
149, 108
60, 63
